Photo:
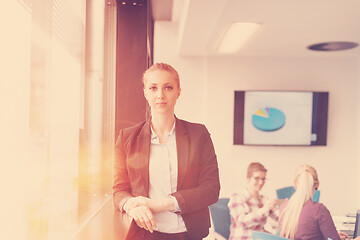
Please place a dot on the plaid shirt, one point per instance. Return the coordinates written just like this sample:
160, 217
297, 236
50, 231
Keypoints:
245, 216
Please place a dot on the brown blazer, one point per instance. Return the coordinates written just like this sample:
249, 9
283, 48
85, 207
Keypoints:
198, 175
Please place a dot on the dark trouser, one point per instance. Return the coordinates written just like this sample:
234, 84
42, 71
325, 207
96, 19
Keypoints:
137, 233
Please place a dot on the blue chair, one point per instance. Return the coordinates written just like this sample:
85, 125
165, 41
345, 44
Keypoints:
265, 236
287, 192
220, 216
357, 224
316, 196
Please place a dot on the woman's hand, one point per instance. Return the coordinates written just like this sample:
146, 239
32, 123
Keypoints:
143, 217
270, 204
343, 235
161, 204
155, 205
135, 202
279, 202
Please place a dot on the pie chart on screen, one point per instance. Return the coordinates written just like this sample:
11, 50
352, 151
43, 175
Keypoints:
268, 119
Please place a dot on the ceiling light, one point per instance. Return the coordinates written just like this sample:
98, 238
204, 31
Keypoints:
332, 46
236, 36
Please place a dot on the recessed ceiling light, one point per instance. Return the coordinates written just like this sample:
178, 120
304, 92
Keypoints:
236, 36
332, 46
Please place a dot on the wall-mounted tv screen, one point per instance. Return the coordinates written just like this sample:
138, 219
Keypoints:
280, 118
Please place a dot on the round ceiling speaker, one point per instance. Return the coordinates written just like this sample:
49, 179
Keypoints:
332, 46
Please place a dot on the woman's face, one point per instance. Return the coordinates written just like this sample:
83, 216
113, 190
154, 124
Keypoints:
257, 181
161, 91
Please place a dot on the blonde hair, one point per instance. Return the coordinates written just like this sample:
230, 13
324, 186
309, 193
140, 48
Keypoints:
162, 67
255, 167
306, 179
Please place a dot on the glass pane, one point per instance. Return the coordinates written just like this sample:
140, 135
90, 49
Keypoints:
55, 163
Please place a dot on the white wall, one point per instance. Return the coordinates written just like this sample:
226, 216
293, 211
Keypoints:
336, 162
208, 96
191, 104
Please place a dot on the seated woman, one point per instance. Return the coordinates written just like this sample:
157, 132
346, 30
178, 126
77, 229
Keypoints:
302, 218
249, 209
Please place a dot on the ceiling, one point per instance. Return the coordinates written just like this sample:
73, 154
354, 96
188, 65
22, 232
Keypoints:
288, 26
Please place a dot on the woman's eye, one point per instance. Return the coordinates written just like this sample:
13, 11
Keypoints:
152, 88
168, 88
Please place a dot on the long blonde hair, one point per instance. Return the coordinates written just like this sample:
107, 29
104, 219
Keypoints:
306, 180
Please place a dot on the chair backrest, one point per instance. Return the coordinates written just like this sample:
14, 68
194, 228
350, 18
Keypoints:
357, 224
265, 236
220, 216
316, 196
287, 192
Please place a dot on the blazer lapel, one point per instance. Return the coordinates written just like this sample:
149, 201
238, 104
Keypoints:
143, 153
182, 146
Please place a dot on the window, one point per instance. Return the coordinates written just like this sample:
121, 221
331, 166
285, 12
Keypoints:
56, 119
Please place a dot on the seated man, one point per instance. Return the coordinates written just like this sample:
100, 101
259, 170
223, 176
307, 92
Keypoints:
249, 210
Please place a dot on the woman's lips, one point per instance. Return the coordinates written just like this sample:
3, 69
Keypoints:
161, 103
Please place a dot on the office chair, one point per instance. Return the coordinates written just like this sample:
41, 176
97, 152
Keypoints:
316, 196
220, 216
265, 236
357, 224
287, 192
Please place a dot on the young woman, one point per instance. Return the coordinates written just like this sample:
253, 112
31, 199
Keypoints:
302, 218
166, 172
249, 210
